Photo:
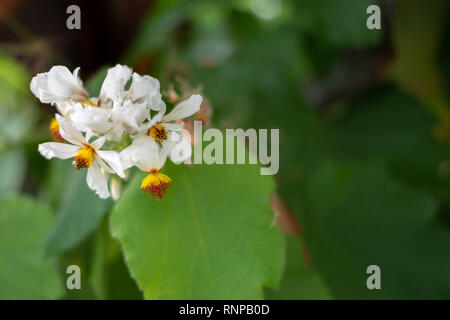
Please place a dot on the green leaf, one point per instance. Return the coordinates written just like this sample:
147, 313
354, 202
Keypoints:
24, 274
12, 169
300, 281
389, 125
157, 27
209, 238
368, 218
341, 23
17, 112
108, 275
418, 72
79, 213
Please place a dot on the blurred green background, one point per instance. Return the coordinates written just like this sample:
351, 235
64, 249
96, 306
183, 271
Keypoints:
364, 121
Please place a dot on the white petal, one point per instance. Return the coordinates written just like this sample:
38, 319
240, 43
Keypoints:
130, 115
59, 84
69, 132
58, 150
114, 83
112, 158
179, 148
96, 180
184, 109
64, 108
88, 118
144, 87
173, 126
62, 82
76, 76
104, 165
144, 153
156, 118
39, 87
98, 143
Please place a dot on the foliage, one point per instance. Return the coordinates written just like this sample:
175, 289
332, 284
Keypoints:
364, 162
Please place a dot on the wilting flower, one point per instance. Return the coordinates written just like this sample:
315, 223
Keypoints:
85, 155
58, 85
161, 124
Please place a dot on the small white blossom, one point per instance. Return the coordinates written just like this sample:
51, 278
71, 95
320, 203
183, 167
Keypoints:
162, 123
58, 85
86, 155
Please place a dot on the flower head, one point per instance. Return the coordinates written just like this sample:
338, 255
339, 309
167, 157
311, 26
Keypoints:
162, 123
119, 118
85, 154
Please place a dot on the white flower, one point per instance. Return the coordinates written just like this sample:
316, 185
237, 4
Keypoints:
129, 108
129, 117
145, 89
64, 108
113, 87
146, 154
91, 119
86, 155
161, 124
58, 85
123, 106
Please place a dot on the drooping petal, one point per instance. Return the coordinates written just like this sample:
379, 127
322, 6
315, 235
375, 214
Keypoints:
64, 84
96, 180
104, 165
113, 86
39, 87
77, 77
146, 89
144, 153
112, 158
69, 132
58, 150
184, 109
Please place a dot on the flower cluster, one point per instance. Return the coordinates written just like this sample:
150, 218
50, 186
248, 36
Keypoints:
125, 126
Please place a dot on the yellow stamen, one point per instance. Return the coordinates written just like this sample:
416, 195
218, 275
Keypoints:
84, 158
158, 132
54, 130
157, 184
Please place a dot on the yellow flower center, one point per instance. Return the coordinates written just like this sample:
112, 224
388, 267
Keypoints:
54, 130
157, 184
84, 158
158, 132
